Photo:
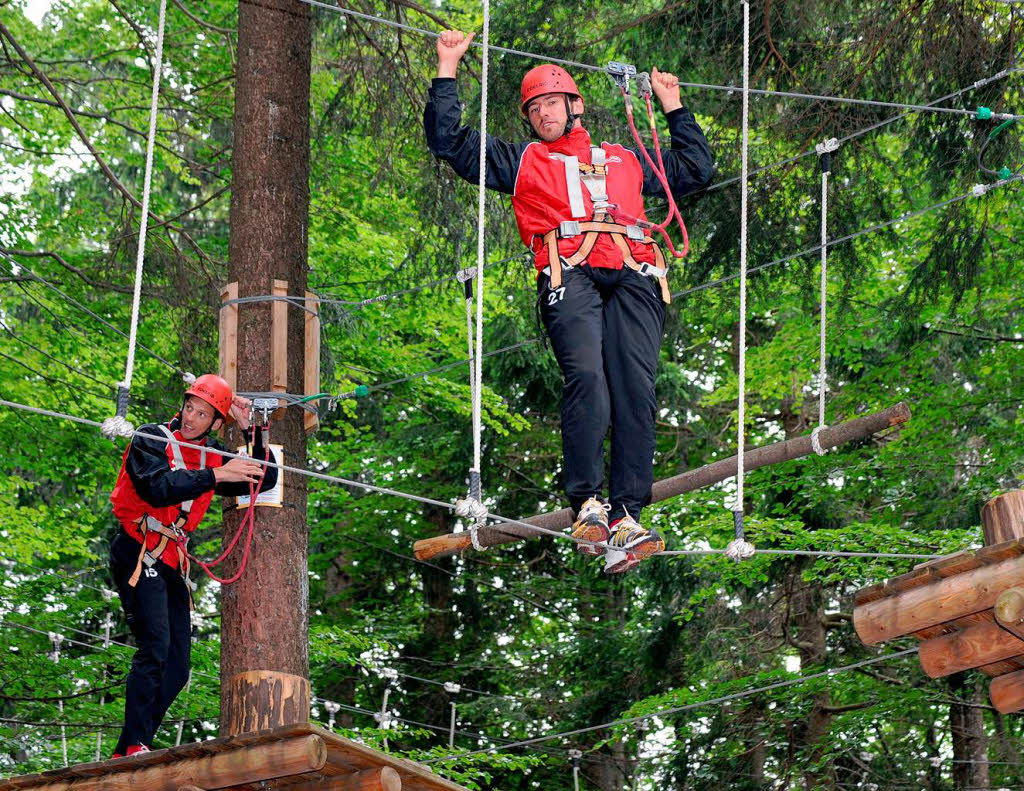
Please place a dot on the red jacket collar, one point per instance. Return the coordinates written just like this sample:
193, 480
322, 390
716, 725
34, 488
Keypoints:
573, 144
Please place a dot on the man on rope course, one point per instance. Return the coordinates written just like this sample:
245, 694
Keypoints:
161, 495
601, 280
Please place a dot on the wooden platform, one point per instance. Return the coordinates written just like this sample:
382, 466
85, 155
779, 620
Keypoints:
949, 604
298, 757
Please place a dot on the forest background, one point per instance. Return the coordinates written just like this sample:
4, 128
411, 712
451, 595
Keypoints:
925, 310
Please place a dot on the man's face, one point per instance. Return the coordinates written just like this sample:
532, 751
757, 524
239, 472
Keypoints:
197, 417
547, 115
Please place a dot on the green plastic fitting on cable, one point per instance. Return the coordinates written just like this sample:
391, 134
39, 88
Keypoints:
362, 391
1005, 173
983, 114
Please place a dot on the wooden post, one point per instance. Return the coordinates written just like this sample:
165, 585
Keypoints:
975, 646
279, 340
1007, 692
264, 624
1002, 518
452, 544
229, 336
936, 603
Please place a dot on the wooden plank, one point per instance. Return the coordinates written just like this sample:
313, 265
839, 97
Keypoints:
229, 336
311, 384
279, 340
345, 756
969, 648
1002, 668
232, 767
942, 601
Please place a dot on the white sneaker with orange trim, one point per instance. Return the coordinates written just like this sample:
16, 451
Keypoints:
629, 544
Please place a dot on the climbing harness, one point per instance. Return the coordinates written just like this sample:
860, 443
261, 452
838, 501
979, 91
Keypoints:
175, 532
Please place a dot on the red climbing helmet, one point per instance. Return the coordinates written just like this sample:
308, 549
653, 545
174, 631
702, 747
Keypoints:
214, 391
547, 78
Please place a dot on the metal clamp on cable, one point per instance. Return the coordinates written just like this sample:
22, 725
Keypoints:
264, 407
621, 72
643, 85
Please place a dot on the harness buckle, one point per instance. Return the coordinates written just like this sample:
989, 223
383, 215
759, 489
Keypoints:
568, 228
635, 232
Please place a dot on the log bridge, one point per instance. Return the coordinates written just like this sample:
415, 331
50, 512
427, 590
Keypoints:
691, 480
967, 609
298, 757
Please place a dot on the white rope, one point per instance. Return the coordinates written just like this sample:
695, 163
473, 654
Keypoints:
57, 639
476, 370
824, 150
744, 189
122, 427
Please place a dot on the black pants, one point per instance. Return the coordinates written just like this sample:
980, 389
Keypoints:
157, 609
605, 327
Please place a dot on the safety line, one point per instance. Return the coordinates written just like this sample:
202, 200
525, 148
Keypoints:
699, 85
865, 130
35, 276
977, 191
381, 489
678, 709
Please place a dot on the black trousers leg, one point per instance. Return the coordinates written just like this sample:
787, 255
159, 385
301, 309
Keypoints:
145, 606
634, 317
572, 316
179, 655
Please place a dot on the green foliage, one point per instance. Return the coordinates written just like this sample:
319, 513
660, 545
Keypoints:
927, 310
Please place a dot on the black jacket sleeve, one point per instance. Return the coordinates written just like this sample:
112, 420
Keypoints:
150, 472
241, 489
688, 162
459, 145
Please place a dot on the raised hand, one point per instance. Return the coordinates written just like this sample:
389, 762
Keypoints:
666, 87
451, 46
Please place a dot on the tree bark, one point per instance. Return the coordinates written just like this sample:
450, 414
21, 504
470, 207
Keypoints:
970, 741
265, 614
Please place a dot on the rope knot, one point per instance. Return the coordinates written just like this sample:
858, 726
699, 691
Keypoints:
816, 441
739, 549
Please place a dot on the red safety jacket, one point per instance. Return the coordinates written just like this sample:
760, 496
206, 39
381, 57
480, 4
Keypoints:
536, 178
149, 485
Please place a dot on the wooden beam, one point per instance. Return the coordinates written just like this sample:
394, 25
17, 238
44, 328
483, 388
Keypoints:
382, 778
968, 648
1002, 518
279, 340
1007, 692
311, 383
937, 602
1009, 611
452, 544
235, 767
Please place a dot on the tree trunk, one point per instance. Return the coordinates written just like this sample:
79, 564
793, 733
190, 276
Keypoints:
264, 627
808, 622
967, 729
